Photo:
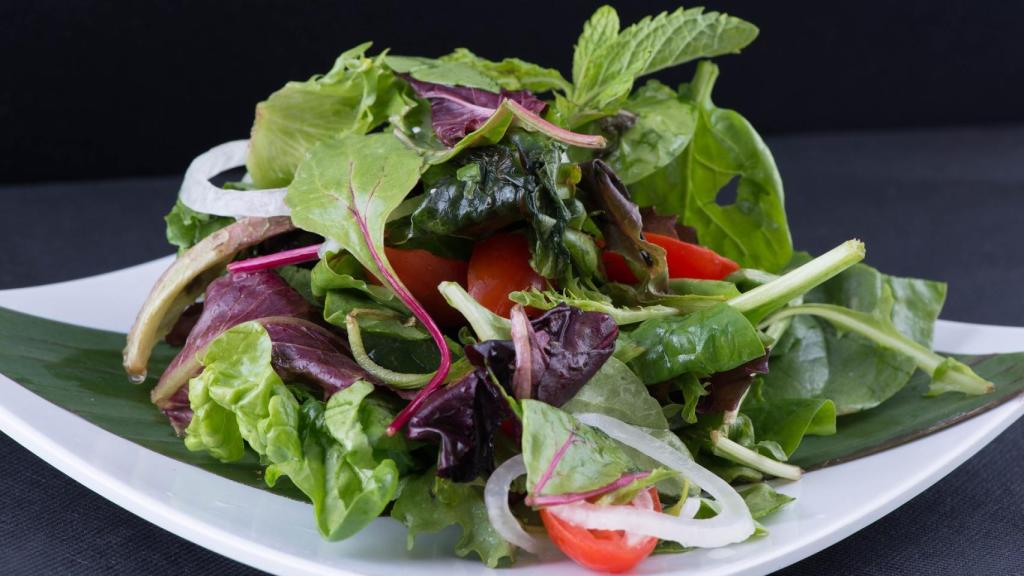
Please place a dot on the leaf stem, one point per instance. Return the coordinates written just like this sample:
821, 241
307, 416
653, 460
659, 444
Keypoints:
726, 448
400, 380
759, 302
949, 374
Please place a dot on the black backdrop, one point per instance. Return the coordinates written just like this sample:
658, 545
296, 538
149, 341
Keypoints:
95, 89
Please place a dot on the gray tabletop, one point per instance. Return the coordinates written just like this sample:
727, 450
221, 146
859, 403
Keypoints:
941, 204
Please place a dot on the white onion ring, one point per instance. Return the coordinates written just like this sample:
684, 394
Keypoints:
498, 512
200, 195
732, 524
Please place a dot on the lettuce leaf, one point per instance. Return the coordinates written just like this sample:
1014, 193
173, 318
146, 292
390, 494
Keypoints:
186, 227
430, 504
332, 453
358, 94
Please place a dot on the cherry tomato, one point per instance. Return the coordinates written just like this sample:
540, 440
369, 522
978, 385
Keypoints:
604, 550
499, 266
685, 260
421, 272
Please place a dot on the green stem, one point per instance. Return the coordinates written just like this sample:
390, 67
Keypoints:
947, 373
486, 324
759, 302
399, 380
730, 450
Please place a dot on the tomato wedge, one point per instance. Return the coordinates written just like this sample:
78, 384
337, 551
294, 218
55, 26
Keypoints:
685, 260
421, 272
499, 266
604, 550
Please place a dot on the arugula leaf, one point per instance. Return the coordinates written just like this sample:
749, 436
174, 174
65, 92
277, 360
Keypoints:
548, 299
358, 94
486, 324
186, 227
325, 452
617, 392
429, 504
607, 61
704, 342
725, 147
661, 127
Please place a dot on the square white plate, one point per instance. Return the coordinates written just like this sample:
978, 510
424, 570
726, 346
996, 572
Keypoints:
278, 535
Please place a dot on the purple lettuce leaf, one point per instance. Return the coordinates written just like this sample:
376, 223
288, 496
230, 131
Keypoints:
575, 345
308, 353
463, 418
726, 389
458, 110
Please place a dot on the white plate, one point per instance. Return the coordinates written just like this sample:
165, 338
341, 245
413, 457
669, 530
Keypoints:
278, 535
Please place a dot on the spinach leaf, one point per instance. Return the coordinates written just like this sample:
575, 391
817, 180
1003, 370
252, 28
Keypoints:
788, 420
430, 504
661, 127
617, 392
607, 61
356, 95
704, 342
186, 227
725, 147
761, 499
816, 359
325, 452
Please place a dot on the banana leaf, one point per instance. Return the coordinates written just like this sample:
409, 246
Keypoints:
79, 369
908, 415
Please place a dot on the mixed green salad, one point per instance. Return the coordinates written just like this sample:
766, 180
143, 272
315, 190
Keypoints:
462, 291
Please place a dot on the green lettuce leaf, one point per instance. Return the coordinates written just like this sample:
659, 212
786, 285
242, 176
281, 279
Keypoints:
186, 227
590, 459
762, 499
511, 73
617, 392
346, 189
358, 94
751, 230
662, 126
338, 455
429, 504
787, 420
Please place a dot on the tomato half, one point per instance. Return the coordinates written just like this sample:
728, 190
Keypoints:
604, 550
421, 272
685, 260
499, 266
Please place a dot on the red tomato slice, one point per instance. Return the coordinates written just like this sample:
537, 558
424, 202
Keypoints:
685, 260
421, 272
499, 266
604, 550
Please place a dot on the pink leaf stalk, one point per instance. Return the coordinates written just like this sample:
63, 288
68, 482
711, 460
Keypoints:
569, 498
276, 260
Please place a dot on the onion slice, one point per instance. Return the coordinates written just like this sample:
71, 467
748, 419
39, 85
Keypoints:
732, 524
498, 512
200, 195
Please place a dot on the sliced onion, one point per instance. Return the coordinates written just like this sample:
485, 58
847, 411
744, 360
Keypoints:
200, 195
732, 524
498, 512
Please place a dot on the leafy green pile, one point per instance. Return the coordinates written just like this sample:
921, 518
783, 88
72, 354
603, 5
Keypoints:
387, 154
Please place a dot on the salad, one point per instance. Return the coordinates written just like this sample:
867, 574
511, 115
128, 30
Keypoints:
559, 314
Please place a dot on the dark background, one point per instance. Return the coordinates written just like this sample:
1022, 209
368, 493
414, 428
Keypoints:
99, 89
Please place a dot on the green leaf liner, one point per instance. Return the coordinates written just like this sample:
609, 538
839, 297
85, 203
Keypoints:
79, 369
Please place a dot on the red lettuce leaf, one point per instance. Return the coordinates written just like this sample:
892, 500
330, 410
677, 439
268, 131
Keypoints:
726, 389
463, 419
458, 110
